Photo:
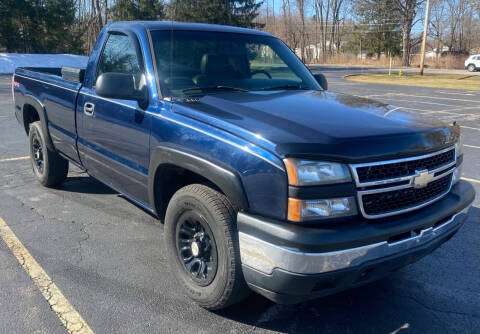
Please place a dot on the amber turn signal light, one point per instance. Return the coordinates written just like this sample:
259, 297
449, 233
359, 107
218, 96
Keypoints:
294, 210
291, 171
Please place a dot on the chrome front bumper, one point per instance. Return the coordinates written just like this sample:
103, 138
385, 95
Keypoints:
264, 257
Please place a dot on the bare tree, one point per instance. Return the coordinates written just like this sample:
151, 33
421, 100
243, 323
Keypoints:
460, 24
303, 37
92, 15
438, 24
408, 11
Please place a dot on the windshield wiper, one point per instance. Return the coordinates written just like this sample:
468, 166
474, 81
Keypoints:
286, 87
214, 88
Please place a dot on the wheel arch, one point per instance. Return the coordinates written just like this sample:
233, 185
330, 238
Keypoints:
33, 110
167, 163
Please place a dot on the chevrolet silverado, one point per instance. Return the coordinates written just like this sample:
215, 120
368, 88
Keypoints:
264, 179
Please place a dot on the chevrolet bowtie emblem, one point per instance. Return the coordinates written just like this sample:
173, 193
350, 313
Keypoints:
422, 179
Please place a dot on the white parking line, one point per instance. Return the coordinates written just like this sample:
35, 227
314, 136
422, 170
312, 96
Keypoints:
461, 108
454, 113
453, 93
469, 127
470, 179
396, 100
430, 97
426, 111
15, 159
443, 111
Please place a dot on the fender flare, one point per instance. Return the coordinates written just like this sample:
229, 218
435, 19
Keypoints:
42, 113
226, 179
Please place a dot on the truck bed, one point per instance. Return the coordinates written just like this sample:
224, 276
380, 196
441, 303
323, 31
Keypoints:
47, 89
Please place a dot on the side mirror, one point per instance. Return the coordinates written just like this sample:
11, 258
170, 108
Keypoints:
117, 85
322, 80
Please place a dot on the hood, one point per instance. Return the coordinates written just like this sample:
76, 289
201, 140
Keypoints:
321, 124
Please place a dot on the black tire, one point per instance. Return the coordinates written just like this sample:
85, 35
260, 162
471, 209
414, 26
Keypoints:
215, 216
471, 68
49, 167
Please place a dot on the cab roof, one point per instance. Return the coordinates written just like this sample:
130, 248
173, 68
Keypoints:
166, 25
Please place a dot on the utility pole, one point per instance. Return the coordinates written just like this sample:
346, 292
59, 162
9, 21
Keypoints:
390, 67
274, 24
361, 53
424, 41
267, 12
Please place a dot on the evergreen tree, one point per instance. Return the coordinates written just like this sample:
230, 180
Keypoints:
239, 13
17, 21
128, 10
38, 26
60, 34
379, 28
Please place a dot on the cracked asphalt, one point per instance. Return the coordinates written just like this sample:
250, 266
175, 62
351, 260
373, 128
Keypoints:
107, 256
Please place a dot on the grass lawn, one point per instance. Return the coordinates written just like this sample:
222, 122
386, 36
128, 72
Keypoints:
445, 81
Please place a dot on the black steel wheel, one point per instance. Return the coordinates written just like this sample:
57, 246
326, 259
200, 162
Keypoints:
196, 248
202, 248
37, 154
49, 167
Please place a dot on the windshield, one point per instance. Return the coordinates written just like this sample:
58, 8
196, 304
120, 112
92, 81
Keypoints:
205, 62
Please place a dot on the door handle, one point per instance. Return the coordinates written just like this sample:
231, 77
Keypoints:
88, 109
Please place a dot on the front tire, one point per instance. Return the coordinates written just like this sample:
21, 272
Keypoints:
49, 167
471, 68
202, 246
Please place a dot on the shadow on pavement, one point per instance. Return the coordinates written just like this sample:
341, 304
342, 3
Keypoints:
89, 185
86, 185
395, 304
360, 310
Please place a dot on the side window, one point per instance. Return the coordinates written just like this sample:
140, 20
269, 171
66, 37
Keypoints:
119, 56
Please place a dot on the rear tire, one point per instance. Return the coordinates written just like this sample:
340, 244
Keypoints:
49, 167
202, 247
471, 68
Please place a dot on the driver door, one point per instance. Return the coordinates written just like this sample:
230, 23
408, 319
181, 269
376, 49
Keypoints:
114, 134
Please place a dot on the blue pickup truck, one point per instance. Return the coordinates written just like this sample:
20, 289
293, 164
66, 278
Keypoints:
264, 179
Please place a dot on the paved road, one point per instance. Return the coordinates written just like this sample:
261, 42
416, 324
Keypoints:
107, 256
369, 68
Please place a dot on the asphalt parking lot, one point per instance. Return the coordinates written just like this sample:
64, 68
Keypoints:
107, 256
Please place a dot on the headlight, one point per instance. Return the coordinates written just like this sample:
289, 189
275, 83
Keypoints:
308, 173
300, 210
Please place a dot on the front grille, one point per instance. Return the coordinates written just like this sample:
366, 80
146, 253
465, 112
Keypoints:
396, 200
403, 168
392, 187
